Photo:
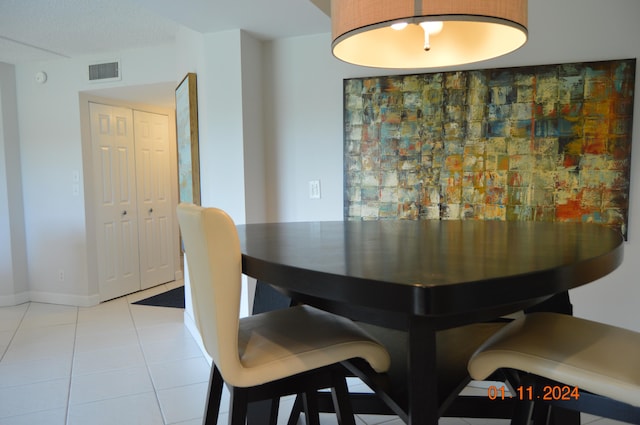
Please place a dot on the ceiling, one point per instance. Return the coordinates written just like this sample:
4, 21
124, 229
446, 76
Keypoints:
36, 30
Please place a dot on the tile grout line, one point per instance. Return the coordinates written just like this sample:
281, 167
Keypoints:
19, 328
146, 363
15, 331
73, 357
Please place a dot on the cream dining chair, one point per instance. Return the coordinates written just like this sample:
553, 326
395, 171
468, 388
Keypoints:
561, 360
268, 355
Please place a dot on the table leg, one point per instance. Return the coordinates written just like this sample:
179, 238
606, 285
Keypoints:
421, 373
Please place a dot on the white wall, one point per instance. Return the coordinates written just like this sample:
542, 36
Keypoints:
51, 152
13, 254
303, 123
253, 129
228, 67
303, 128
49, 118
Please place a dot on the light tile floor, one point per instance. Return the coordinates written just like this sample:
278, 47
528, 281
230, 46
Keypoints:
116, 363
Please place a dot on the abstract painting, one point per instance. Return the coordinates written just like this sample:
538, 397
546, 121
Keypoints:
544, 143
187, 139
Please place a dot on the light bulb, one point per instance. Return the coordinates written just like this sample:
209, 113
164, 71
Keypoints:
430, 28
399, 26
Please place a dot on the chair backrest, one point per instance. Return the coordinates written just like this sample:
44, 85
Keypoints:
214, 262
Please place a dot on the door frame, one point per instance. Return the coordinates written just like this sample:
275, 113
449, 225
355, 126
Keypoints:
88, 180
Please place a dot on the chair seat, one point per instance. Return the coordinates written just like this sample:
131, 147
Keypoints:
284, 342
592, 356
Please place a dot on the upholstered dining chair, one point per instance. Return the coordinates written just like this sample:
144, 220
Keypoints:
561, 360
262, 357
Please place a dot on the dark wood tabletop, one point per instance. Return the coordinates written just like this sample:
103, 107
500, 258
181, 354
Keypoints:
425, 276
429, 268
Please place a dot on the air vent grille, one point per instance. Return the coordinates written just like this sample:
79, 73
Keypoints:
107, 71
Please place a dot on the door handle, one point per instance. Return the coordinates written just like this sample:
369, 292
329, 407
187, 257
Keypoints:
124, 212
150, 210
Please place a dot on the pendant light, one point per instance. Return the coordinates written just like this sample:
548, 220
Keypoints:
426, 33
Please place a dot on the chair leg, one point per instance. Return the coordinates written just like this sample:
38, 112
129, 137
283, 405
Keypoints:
296, 410
259, 409
310, 402
541, 414
525, 410
214, 395
560, 416
341, 401
522, 412
238, 406
275, 406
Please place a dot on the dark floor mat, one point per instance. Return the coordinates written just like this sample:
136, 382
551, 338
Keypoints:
172, 298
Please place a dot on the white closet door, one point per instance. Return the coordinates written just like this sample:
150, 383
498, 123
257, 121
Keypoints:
155, 217
112, 139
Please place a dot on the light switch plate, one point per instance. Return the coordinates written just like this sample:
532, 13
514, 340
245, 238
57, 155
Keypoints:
314, 189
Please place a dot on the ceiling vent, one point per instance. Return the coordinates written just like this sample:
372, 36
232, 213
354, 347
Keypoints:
104, 71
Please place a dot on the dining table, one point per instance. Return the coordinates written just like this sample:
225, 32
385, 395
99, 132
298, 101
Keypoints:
424, 278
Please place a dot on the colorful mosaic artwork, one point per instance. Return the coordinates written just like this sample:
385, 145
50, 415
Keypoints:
545, 143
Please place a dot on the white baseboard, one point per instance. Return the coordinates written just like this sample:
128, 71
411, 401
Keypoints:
14, 299
64, 299
179, 275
